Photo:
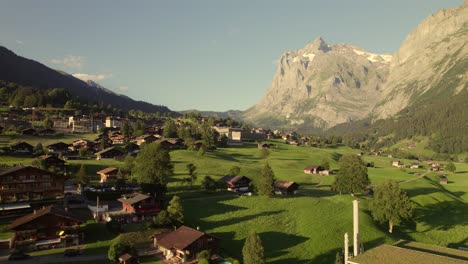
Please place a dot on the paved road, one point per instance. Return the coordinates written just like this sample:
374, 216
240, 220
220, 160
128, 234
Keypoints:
54, 259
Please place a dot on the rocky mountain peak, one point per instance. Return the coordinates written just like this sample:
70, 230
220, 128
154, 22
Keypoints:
318, 44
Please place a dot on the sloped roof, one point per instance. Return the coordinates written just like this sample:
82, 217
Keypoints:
133, 198
39, 213
238, 178
181, 238
107, 150
107, 170
311, 167
284, 184
6, 171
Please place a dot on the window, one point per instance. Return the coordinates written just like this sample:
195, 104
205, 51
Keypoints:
22, 177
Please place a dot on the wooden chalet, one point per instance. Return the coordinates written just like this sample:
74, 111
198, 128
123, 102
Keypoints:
265, 145
59, 147
139, 204
46, 132
52, 161
286, 187
108, 174
236, 183
83, 143
108, 153
183, 244
397, 163
145, 139
127, 259
48, 227
415, 165
312, 169
29, 132
27, 183
22, 147
443, 179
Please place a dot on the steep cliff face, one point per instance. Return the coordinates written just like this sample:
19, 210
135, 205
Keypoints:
437, 47
322, 85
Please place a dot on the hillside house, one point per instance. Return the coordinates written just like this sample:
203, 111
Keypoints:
27, 183
51, 161
436, 167
415, 165
22, 147
108, 153
127, 259
108, 174
58, 147
46, 228
443, 179
286, 187
312, 169
397, 163
82, 143
145, 139
325, 172
29, 132
236, 183
183, 244
139, 204
46, 132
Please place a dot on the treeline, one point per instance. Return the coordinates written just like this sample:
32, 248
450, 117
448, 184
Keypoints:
441, 117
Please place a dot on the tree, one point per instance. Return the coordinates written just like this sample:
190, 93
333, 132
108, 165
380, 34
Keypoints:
209, 137
266, 181
39, 149
339, 258
48, 123
82, 176
234, 170
170, 129
117, 249
253, 252
208, 184
391, 204
127, 130
450, 167
162, 219
152, 168
175, 211
264, 153
325, 164
352, 176
192, 173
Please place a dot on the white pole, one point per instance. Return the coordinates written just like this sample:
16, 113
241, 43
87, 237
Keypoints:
356, 226
346, 247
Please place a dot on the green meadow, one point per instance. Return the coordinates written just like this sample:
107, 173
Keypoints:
307, 227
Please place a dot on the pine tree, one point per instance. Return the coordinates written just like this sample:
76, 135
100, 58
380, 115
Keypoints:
391, 204
192, 173
253, 251
266, 181
170, 129
176, 211
81, 176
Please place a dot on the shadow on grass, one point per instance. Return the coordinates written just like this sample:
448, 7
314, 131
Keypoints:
329, 257
235, 157
240, 219
443, 215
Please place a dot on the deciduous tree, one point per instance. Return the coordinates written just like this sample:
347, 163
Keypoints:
391, 205
352, 175
176, 211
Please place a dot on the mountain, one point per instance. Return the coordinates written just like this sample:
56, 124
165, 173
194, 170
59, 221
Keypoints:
233, 114
322, 85
27, 72
432, 57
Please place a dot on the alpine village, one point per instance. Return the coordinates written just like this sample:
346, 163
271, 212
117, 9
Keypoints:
350, 157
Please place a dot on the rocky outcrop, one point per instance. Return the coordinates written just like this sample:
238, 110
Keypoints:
322, 85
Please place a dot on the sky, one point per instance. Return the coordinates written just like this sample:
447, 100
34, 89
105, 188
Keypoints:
205, 54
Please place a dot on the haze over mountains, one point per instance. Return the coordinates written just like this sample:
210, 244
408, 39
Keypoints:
27, 72
322, 85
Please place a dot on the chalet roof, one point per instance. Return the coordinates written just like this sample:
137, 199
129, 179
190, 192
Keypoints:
311, 167
107, 170
133, 198
39, 213
6, 171
238, 178
181, 238
226, 178
22, 143
29, 129
145, 136
107, 150
47, 156
284, 184
58, 144
125, 257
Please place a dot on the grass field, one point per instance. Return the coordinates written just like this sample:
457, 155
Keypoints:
308, 227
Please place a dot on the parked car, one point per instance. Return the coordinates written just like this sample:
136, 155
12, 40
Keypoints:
18, 256
71, 253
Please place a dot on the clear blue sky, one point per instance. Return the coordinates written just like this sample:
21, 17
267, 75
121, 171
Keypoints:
207, 55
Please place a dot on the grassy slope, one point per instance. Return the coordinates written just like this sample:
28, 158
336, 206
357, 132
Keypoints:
308, 227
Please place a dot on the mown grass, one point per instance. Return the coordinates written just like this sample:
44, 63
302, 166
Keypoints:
308, 227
